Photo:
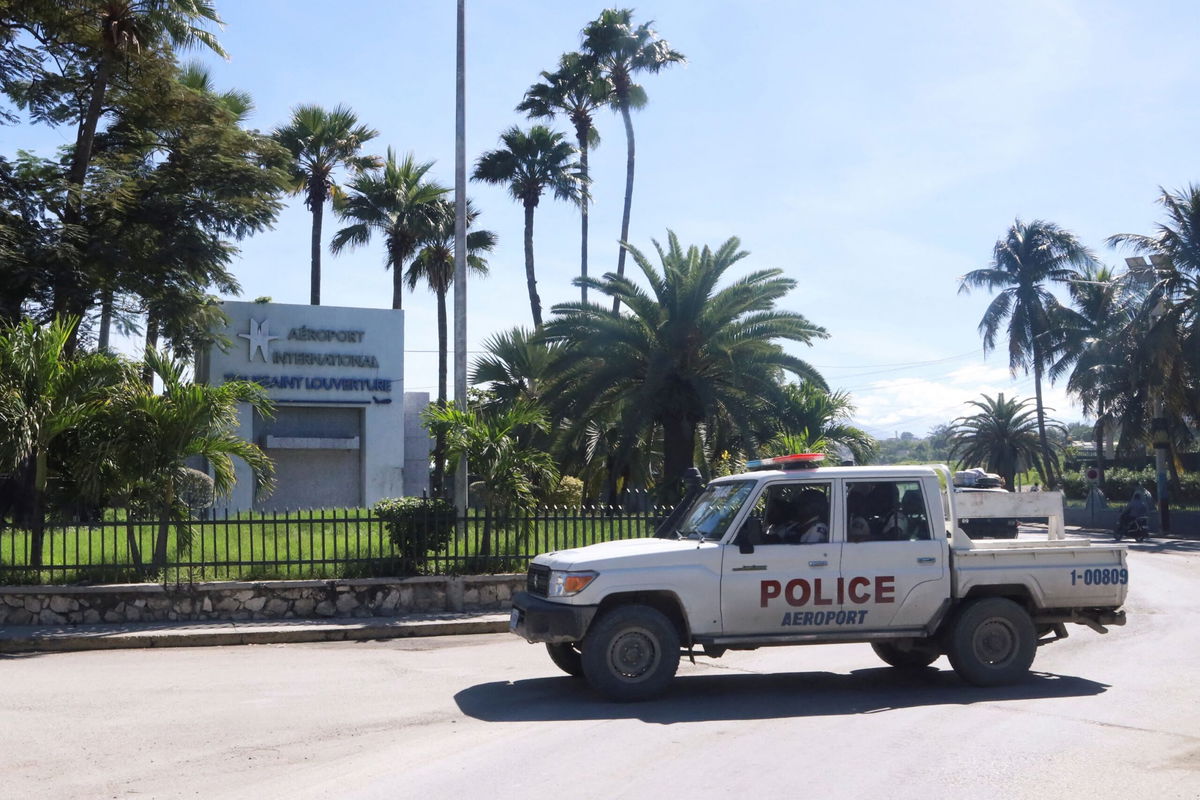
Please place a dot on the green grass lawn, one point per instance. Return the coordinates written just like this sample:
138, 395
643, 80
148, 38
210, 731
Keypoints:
310, 544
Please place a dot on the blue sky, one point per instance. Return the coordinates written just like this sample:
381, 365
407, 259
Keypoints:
873, 151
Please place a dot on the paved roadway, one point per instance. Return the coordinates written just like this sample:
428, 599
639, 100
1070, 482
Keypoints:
1111, 716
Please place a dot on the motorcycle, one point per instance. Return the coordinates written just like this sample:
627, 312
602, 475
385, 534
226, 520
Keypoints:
1136, 528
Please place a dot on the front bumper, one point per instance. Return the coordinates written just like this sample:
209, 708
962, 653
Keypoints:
538, 620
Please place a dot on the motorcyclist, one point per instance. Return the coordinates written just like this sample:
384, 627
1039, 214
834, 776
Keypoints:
1138, 507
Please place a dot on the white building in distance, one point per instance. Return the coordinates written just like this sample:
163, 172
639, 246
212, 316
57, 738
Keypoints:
344, 434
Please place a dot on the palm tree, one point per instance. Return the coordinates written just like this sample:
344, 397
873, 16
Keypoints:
621, 51
686, 352
531, 163
44, 396
322, 142
1003, 436
1023, 261
517, 365
434, 265
576, 89
159, 432
815, 420
1084, 339
400, 205
511, 473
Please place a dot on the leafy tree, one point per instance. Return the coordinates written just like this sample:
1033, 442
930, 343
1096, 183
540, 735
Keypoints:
621, 51
45, 395
321, 143
1023, 261
531, 163
434, 265
400, 205
1002, 436
686, 351
86, 47
576, 90
154, 434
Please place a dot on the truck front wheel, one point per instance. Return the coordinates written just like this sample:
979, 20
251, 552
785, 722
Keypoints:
992, 642
631, 653
566, 657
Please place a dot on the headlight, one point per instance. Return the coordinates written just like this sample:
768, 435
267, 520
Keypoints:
565, 584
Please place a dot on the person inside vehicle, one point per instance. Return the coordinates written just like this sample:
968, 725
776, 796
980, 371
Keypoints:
782, 525
813, 524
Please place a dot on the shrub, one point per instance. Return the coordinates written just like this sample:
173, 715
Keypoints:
567, 492
196, 489
416, 526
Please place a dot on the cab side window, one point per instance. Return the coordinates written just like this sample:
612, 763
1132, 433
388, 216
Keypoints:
886, 511
794, 513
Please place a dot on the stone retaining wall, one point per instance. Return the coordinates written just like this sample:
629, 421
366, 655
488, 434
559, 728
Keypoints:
236, 600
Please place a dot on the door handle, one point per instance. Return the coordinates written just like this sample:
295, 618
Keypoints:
818, 563
926, 560
749, 568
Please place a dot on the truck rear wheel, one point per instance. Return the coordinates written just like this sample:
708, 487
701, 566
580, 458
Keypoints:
915, 656
631, 653
566, 657
992, 642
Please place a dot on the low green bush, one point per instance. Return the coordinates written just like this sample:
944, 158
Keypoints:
417, 526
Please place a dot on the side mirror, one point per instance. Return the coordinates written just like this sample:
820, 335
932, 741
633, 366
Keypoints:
750, 534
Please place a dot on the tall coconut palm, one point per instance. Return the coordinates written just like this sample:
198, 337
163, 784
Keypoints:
530, 164
621, 51
576, 90
687, 351
1003, 436
434, 266
1083, 341
400, 205
322, 143
1023, 262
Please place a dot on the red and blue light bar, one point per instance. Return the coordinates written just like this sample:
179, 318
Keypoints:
794, 461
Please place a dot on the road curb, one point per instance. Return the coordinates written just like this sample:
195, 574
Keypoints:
27, 639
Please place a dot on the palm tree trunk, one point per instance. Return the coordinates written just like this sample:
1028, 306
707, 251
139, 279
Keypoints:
679, 442
535, 302
151, 344
439, 445
1098, 437
37, 530
629, 161
315, 270
1051, 480
397, 280
583, 212
106, 308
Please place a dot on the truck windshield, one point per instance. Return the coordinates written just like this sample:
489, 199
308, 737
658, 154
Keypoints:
710, 516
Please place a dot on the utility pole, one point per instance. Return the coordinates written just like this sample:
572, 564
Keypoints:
1162, 442
460, 254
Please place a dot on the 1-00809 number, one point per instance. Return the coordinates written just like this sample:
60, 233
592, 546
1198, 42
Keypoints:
1099, 577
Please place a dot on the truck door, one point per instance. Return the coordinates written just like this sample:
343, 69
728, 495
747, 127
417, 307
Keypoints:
893, 566
787, 584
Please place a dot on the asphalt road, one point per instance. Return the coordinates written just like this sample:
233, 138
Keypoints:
1112, 716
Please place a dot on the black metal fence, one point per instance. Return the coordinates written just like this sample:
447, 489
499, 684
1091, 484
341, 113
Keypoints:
325, 544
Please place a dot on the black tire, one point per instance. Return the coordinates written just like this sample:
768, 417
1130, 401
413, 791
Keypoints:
917, 656
567, 658
992, 643
631, 653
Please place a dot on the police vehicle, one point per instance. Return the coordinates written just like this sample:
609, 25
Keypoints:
792, 553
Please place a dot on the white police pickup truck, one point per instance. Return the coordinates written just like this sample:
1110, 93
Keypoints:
794, 553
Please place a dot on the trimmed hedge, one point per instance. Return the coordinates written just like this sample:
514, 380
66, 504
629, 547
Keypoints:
417, 526
1119, 485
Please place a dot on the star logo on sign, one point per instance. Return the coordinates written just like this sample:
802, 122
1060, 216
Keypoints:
260, 338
